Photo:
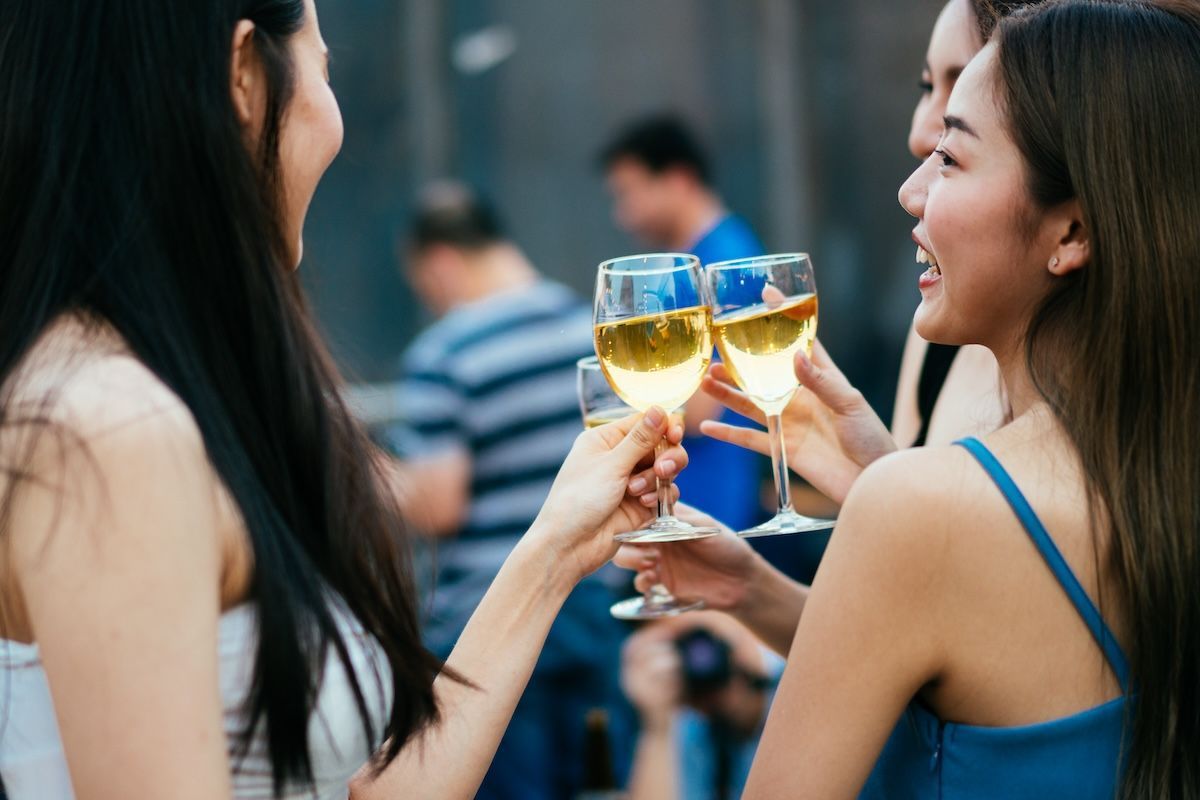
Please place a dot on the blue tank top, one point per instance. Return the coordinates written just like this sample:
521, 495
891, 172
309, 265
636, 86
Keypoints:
1078, 756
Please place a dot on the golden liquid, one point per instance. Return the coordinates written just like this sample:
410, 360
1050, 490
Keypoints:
758, 345
605, 416
657, 359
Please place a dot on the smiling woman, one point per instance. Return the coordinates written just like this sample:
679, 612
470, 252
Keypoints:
1015, 616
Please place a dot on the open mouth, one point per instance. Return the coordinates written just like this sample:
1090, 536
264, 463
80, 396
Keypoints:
926, 257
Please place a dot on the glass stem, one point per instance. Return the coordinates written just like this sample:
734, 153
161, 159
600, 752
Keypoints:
779, 465
666, 505
658, 595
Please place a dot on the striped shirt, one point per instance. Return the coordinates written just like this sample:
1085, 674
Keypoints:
495, 380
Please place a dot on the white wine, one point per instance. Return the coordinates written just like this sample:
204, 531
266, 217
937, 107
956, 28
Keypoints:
758, 345
604, 416
657, 359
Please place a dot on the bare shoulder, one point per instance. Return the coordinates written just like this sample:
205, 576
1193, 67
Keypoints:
114, 488
92, 419
911, 505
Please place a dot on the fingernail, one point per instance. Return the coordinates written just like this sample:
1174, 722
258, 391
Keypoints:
637, 485
668, 466
654, 417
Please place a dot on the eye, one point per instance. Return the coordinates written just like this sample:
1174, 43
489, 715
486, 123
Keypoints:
926, 86
947, 159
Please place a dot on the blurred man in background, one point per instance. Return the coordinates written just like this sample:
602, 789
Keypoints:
489, 413
662, 188
702, 685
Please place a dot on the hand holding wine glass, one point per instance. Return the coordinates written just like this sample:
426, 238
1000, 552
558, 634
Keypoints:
590, 500
599, 405
654, 344
830, 431
717, 570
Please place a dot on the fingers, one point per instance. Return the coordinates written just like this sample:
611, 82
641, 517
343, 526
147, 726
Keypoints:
641, 433
667, 466
636, 557
715, 386
650, 499
645, 580
823, 379
742, 437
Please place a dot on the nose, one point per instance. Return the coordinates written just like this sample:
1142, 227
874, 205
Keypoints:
926, 128
915, 190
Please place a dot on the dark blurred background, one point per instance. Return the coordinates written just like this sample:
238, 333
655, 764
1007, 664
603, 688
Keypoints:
803, 104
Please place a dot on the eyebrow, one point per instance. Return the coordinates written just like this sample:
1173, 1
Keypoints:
957, 123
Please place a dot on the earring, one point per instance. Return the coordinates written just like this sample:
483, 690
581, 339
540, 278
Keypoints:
1054, 262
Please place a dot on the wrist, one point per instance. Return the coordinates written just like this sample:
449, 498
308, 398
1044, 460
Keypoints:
541, 563
765, 588
657, 722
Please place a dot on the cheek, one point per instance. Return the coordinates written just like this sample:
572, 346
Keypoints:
312, 138
326, 126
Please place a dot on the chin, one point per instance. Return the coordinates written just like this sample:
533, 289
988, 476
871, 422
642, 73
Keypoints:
929, 326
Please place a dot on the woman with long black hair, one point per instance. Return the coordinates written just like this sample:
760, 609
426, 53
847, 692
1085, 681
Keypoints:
204, 585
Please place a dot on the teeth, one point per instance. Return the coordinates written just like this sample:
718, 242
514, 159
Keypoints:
925, 257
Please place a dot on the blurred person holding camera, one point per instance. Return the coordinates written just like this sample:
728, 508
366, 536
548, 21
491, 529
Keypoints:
702, 685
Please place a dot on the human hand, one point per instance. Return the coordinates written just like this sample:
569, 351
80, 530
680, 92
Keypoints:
607, 486
831, 432
717, 570
652, 675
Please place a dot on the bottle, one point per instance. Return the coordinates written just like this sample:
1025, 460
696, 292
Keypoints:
599, 777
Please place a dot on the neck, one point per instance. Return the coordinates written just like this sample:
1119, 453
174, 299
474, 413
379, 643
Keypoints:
497, 269
696, 217
1018, 385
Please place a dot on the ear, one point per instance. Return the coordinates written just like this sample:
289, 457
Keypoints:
1073, 248
246, 80
680, 178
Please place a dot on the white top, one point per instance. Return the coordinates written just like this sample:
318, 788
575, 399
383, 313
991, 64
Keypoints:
31, 754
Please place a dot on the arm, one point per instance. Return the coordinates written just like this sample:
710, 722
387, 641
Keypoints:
435, 490
832, 432
650, 678
118, 560
728, 575
866, 645
571, 538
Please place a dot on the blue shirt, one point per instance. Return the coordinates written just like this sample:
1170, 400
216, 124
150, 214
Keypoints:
724, 479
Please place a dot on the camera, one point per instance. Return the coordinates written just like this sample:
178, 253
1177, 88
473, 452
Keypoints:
707, 662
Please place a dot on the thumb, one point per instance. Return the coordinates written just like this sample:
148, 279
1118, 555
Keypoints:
822, 377
641, 438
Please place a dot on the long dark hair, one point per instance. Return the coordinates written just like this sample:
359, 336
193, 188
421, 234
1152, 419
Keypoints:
127, 195
988, 13
1104, 105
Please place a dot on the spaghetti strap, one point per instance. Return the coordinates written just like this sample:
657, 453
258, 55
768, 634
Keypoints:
1054, 559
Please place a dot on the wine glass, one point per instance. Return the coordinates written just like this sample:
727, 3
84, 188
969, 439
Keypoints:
654, 343
600, 405
764, 310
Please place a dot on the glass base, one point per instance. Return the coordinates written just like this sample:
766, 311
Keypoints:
786, 522
666, 529
653, 607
